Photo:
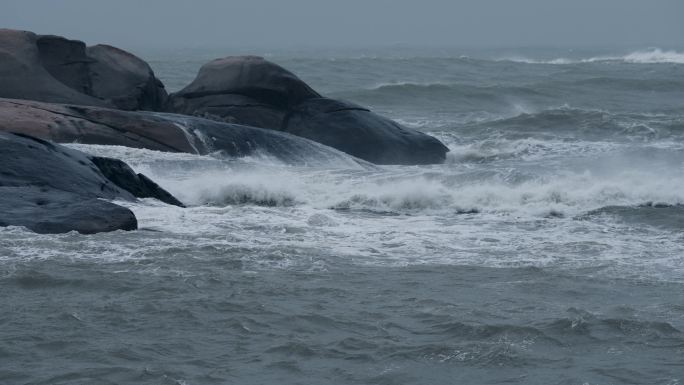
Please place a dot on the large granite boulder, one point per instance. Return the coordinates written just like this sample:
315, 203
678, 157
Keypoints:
245, 90
50, 188
252, 91
58, 70
161, 132
124, 80
251, 77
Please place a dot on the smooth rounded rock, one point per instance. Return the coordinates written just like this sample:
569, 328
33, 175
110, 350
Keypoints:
49, 188
51, 211
124, 80
27, 161
250, 76
55, 69
362, 133
252, 91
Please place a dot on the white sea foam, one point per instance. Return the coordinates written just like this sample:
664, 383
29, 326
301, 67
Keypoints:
655, 56
399, 84
432, 123
203, 180
517, 209
527, 149
393, 215
650, 56
251, 187
567, 193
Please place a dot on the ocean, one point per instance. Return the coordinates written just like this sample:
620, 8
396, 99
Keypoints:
547, 249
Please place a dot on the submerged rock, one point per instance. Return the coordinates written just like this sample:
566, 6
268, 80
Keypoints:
58, 70
252, 91
161, 132
50, 188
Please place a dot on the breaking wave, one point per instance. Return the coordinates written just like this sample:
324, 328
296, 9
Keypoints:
651, 56
438, 90
587, 179
500, 193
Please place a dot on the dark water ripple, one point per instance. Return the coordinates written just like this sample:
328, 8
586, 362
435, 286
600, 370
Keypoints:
348, 325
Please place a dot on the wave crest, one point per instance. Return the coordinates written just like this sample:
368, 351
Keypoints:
590, 123
655, 56
651, 56
244, 194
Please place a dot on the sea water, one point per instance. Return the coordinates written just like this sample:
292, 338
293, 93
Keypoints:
547, 249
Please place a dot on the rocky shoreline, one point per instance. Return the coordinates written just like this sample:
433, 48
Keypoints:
57, 90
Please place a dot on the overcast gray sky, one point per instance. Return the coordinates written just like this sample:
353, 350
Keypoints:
187, 23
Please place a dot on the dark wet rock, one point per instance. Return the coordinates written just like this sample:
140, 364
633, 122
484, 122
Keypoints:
58, 70
26, 161
245, 90
90, 125
137, 184
66, 61
236, 140
23, 75
49, 188
358, 131
51, 211
250, 77
159, 131
252, 91
124, 80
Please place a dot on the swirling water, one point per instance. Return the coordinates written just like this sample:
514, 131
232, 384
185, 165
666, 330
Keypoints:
548, 249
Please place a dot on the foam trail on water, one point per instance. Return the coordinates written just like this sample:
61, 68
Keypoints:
651, 56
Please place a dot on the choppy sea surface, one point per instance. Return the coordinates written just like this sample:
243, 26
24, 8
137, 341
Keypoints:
548, 249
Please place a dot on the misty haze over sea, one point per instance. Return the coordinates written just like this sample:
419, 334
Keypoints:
547, 249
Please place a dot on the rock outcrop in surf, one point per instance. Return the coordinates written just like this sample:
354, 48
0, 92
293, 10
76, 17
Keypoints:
48, 211
49, 188
161, 132
252, 91
244, 90
139, 185
58, 70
